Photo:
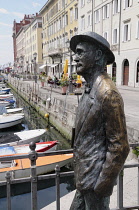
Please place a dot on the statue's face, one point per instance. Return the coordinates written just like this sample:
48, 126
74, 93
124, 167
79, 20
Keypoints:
84, 57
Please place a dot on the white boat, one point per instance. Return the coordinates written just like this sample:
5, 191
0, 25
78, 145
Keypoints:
6, 96
4, 103
14, 110
24, 148
2, 85
22, 137
20, 168
4, 90
10, 111
9, 120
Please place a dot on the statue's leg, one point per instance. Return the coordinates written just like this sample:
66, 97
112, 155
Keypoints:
78, 202
94, 202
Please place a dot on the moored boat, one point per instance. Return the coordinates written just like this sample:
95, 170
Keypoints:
21, 167
4, 103
24, 148
9, 120
6, 96
22, 137
4, 90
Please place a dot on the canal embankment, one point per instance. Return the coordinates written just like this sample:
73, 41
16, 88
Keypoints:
60, 110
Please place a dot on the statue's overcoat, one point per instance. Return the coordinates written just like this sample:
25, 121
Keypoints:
100, 145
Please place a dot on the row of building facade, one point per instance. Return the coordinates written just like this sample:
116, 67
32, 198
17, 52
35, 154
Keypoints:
45, 38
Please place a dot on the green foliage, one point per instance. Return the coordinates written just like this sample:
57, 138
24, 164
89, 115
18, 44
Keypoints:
64, 81
44, 102
136, 151
74, 76
42, 76
114, 79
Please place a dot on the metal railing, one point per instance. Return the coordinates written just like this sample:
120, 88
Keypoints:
33, 155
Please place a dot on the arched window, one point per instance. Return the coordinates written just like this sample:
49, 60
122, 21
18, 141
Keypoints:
137, 75
114, 72
126, 72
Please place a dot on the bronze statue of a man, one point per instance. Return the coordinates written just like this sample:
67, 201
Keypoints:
100, 144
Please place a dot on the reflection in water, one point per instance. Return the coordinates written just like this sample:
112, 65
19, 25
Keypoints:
46, 188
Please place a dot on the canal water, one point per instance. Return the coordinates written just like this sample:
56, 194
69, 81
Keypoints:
21, 197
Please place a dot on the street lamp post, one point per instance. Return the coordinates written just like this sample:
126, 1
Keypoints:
21, 65
70, 74
35, 67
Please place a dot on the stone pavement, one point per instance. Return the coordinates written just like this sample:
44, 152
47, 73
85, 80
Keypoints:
131, 104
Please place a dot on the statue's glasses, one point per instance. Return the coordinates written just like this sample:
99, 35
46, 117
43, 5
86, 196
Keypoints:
80, 52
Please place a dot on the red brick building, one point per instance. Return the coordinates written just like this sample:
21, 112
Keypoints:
17, 26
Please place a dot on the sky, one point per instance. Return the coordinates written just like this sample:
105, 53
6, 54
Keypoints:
11, 10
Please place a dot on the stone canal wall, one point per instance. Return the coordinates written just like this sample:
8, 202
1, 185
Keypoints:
58, 110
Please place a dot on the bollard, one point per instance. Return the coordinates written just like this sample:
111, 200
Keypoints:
8, 180
57, 180
120, 190
33, 157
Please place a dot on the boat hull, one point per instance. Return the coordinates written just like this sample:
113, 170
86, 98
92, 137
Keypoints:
9, 122
34, 136
44, 165
22, 137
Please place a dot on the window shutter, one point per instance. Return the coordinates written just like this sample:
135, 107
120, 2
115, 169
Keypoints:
123, 33
103, 13
124, 4
117, 35
129, 32
119, 5
74, 14
99, 15
113, 6
108, 9
137, 30
130, 4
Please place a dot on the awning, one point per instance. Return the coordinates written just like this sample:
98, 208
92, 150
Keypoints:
54, 65
41, 67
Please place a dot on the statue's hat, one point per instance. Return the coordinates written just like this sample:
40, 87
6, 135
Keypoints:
96, 39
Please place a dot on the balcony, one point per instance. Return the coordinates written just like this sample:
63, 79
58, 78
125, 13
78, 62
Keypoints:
55, 52
114, 47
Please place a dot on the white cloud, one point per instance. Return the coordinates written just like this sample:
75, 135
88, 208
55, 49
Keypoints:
4, 11
5, 36
20, 15
5, 24
35, 4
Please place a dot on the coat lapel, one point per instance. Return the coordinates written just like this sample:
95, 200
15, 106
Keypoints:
85, 106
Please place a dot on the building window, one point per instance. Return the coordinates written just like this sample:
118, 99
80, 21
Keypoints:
82, 3
60, 24
115, 36
137, 33
63, 3
66, 19
126, 32
59, 5
89, 20
63, 21
116, 6
71, 15
127, 4
97, 16
106, 11
137, 76
105, 35
76, 13
82, 22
